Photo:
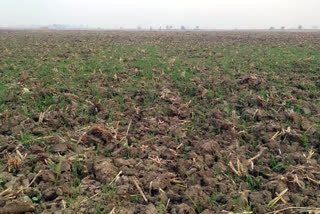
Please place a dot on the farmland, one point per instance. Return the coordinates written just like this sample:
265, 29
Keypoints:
159, 122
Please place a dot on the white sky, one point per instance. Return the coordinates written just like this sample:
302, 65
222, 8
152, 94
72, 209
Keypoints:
215, 14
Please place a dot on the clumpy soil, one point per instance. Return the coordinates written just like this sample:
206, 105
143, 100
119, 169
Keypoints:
159, 122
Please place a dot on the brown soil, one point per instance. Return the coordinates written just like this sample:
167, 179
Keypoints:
169, 157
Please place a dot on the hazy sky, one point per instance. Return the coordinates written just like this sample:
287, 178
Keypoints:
218, 14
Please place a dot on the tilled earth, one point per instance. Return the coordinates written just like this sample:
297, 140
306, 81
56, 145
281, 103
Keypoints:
159, 122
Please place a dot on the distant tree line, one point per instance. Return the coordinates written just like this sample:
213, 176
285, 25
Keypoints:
169, 27
283, 28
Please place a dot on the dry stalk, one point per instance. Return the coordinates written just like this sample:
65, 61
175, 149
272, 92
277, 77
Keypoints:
15, 162
115, 130
64, 204
91, 103
186, 105
162, 191
228, 212
242, 132
127, 131
314, 181
276, 199
10, 196
34, 179
281, 198
150, 187
5, 191
137, 109
139, 189
275, 135
250, 161
310, 154
297, 181
167, 204
113, 211
288, 130
115, 77
82, 129
304, 209
157, 160
285, 132
81, 137
115, 178
264, 102
95, 195
178, 147
182, 186
239, 165
171, 61
175, 180
237, 171
20, 155
41, 116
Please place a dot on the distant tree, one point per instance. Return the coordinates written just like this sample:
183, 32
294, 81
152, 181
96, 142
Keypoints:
150, 28
283, 28
139, 27
183, 28
271, 28
300, 27
197, 27
169, 27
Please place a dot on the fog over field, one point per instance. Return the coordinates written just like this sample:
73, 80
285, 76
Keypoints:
208, 14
